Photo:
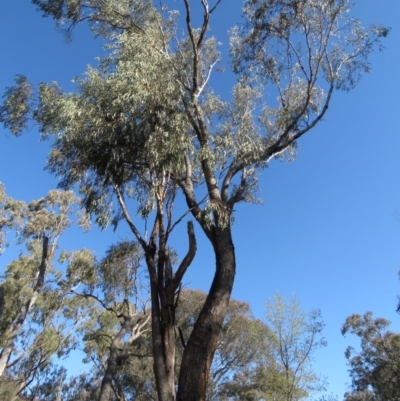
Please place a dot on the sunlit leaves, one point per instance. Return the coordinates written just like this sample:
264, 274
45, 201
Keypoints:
133, 120
81, 269
14, 112
145, 123
294, 336
125, 126
300, 51
375, 367
11, 214
52, 215
120, 271
239, 136
102, 15
36, 313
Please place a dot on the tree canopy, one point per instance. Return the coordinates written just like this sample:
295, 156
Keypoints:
375, 368
38, 318
145, 126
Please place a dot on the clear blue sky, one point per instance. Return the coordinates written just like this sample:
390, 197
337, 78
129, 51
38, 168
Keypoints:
328, 230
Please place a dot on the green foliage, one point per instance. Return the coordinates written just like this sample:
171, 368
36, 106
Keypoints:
17, 105
104, 17
291, 42
47, 217
116, 302
125, 126
375, 368
84, 387
294, 337
148, 109
81, 269
38, 317
120, 271
249, 363
282, 368
11, 216
300, 50
145, 125
48, 386
242, 342
117, 276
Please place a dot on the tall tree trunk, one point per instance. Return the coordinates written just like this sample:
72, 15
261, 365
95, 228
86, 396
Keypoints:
168, 337
112, 364
164, 357
162, 363
164, 286
200, 349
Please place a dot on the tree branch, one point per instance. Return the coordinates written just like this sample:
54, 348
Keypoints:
102, 303
125, 212
187, 260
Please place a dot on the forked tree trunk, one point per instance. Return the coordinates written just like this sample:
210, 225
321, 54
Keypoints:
163, 327
163, 358
200, 349
164, 287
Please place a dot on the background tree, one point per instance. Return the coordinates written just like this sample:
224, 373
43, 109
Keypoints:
37, 318
121, 315
9, 219
375, 368
47, 386
247, 365
242, 343
141, 135
294, 337
283, 367
299, 50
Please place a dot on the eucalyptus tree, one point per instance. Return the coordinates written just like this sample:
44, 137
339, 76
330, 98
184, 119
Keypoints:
47, 385
37, 317
11, 218
4, 219
282, 369
9, 221
134, 145
294, 336
239, 348
120, 315
375, 367
147, 123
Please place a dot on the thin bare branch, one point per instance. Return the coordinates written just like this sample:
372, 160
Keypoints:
125, 212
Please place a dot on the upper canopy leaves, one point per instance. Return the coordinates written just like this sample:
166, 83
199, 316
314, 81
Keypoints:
146, 120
